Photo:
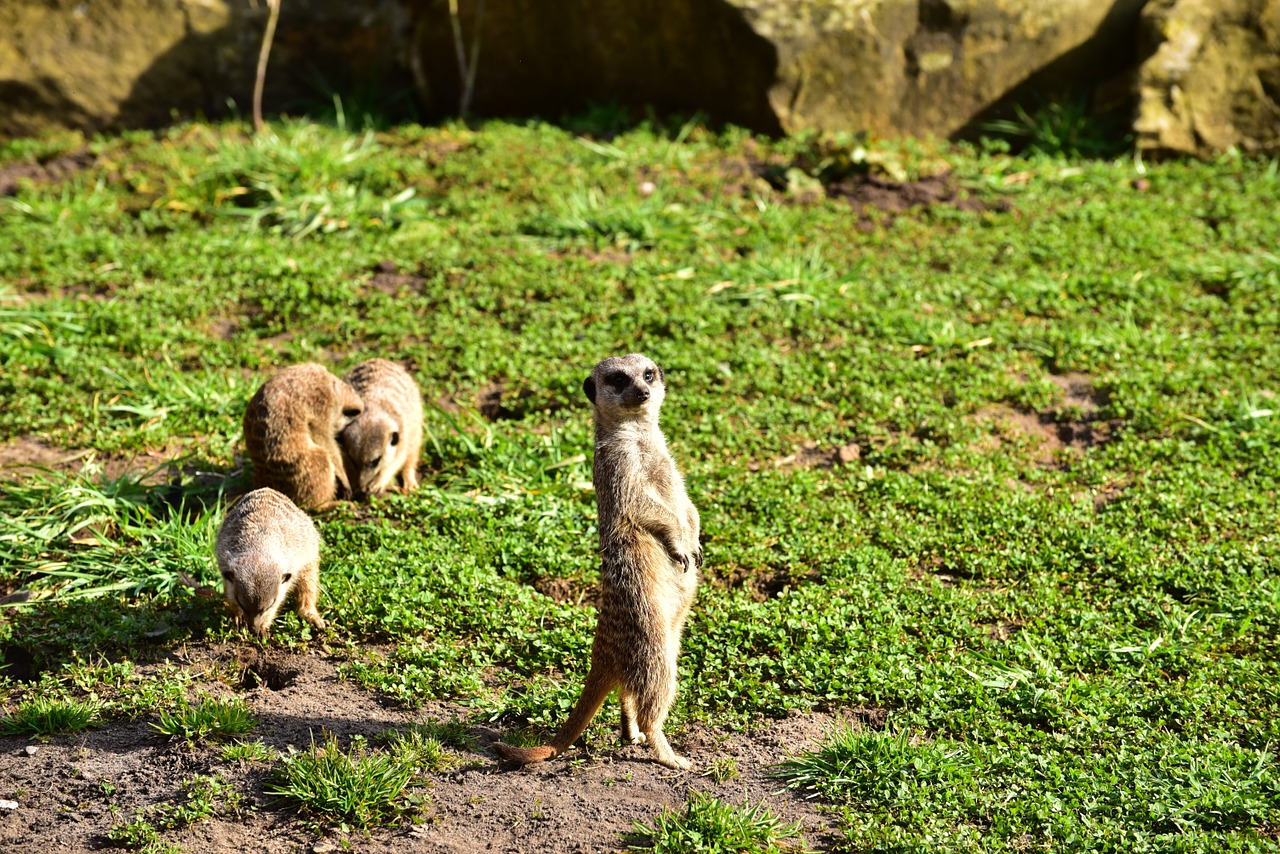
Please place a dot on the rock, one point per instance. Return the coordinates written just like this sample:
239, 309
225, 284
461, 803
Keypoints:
890, 67
8, 805
849, 454
138, 63
1212, 77
31, 749
917, 67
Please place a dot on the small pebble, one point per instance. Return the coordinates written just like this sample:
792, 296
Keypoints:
31, 749
8, 805
647, 188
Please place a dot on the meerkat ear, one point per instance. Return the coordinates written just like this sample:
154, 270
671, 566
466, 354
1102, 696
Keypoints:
589, 386
661, 375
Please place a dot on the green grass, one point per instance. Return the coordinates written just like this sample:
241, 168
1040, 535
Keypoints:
1073, 643
40, 715
707, 824
211, 719
352, 788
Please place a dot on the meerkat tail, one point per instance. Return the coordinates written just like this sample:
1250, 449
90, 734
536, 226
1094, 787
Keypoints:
522, 755
594, 693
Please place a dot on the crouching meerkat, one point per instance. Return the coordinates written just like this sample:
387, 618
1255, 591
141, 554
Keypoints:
291, 429
384, 441
650, 558
267, 548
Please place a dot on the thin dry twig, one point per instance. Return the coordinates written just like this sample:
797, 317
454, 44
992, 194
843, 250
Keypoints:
466, 69
268, 36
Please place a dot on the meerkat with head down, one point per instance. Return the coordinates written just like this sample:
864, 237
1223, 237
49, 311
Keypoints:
268, 549
650, 556
383, 442
291, 429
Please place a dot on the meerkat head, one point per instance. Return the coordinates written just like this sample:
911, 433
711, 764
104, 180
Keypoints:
626, 388
348, 404
255, 583
369, 448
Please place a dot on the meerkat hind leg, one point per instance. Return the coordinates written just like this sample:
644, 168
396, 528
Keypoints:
630, 733
663, 752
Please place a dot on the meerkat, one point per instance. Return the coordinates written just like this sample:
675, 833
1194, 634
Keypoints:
267, 548
291, 429
650, 556
384, 441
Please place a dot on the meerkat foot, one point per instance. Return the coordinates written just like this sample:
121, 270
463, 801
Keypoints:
676, 762
664, 755
317, 622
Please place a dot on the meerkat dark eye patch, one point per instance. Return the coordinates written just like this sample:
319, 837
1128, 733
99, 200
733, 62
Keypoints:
286, 578
395, 439
229, 576
373, 463
618, 380
351, 412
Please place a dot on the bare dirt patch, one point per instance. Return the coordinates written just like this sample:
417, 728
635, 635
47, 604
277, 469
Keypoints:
811, 455
70, 791
27, 455
866, 193
53, 171
388, 278
1073, 426
762, 585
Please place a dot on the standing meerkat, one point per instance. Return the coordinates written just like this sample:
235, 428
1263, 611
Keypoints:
650, 557
267, 548
291, 430
383, 441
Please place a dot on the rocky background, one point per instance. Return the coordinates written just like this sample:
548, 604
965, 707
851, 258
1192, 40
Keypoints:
1182, 76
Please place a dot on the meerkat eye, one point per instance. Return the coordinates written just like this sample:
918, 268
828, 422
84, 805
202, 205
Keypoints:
649, 375
284, 579
351, 412
395, 439
373, 463
618, 380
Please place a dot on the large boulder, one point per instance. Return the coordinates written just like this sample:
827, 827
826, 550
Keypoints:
887, 66
134, 63
1212, 79
934, 66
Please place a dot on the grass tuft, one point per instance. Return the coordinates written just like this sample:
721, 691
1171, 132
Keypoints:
708, 824
43, 715
351, 787
210, 720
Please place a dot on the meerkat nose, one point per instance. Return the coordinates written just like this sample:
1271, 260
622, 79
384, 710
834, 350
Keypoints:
642, 393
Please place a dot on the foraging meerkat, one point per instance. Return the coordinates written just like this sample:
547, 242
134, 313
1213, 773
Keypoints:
267, 548
383, 441
291, 429
650, 558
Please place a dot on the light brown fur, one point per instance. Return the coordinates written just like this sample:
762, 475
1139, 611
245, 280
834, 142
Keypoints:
290, 429
650, 558
267, 548
383, 442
